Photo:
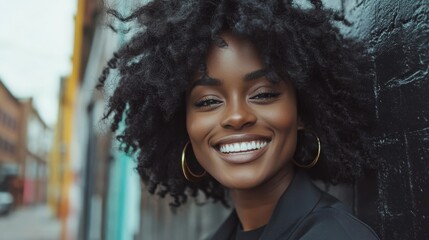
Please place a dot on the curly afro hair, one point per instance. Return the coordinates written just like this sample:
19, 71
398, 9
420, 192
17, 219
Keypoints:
170, 44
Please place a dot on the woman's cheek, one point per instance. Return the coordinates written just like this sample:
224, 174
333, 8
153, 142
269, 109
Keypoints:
281, 116
198, 125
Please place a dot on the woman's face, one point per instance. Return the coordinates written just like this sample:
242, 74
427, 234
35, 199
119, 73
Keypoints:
242, 127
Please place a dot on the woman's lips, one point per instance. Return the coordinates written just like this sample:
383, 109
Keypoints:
242, 146
240, 149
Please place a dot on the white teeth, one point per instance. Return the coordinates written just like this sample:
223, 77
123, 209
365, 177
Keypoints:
243, 146
236, 147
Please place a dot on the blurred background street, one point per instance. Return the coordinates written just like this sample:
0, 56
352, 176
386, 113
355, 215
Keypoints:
35, 222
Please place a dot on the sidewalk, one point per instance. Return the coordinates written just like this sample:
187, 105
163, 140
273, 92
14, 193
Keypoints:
30, 223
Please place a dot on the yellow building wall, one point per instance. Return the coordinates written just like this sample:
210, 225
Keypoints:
61, 174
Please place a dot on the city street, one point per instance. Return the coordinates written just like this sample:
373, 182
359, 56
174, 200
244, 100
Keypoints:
30, 223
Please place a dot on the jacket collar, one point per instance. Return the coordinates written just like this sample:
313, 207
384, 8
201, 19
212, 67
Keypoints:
297, 201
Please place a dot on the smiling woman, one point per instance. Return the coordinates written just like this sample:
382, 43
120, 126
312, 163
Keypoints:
242, 129
247, 98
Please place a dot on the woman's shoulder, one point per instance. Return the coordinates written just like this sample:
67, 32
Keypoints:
331, 220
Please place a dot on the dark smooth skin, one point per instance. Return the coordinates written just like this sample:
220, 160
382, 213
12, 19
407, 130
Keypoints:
231, 104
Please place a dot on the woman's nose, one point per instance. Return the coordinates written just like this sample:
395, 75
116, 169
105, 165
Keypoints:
238, 116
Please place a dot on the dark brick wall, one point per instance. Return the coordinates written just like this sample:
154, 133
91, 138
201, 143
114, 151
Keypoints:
395, 200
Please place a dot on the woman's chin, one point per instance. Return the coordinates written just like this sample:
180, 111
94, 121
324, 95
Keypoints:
242, 181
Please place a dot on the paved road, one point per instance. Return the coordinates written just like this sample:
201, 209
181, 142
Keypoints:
30, 223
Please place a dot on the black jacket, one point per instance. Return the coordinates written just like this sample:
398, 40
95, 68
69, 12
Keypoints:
305, 212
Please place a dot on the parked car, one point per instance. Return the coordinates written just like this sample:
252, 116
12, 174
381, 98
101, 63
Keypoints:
6, 203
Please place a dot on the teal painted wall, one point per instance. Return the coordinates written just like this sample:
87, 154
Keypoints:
123, 211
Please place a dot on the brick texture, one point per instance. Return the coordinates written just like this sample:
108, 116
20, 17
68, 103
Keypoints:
395, 200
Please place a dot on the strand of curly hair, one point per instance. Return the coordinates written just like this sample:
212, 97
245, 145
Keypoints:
155, 67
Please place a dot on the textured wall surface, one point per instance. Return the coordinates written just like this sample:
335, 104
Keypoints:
395, 201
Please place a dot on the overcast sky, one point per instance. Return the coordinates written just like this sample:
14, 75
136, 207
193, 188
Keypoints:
36, 42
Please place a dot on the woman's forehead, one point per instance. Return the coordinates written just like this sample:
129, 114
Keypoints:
239, 56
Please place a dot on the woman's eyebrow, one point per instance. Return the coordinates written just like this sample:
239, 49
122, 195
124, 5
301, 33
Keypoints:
205, 81
255, 75
209, 81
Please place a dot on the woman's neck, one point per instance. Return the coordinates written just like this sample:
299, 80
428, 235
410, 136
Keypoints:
255, 206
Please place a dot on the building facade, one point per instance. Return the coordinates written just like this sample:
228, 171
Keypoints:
25, 141
37, 140
10, 144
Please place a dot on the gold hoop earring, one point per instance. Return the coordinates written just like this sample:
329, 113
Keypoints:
316, 159
189, 175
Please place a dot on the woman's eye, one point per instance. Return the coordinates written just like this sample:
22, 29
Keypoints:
265, 96
207, 103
